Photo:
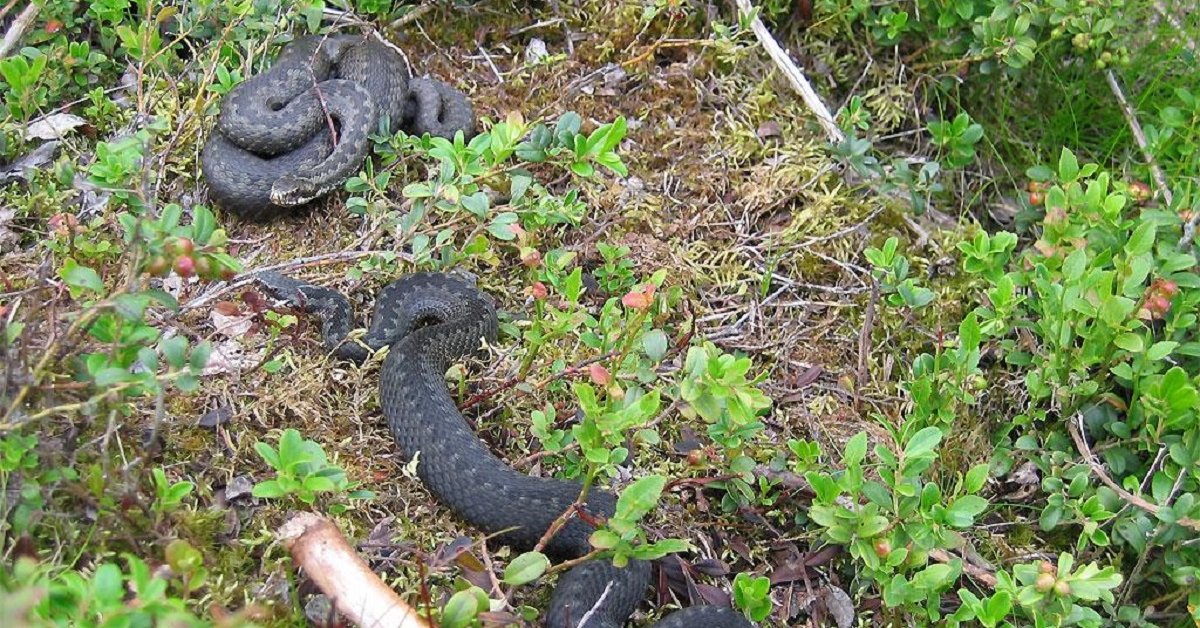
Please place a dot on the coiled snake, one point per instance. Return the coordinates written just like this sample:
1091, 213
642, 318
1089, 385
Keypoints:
429, 321
272, 149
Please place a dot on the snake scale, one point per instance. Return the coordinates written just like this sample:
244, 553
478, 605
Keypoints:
429, 321
272, 149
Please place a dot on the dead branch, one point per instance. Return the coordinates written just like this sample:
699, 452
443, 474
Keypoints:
1075, 428
19, 27
1160, 180
323, 553
797, 79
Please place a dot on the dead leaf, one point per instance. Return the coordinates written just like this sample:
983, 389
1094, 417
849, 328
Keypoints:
218, 415
228, 357
230, 322
22, 169
839, 605
239, 486
769, 129
535, 51
53, 127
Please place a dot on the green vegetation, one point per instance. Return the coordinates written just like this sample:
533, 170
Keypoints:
945, 371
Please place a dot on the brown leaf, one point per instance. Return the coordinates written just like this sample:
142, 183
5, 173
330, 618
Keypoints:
768, 129
218, 415
712, 595
838, 604
451, 551
711, 567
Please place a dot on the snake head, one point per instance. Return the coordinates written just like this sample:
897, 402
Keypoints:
290, 191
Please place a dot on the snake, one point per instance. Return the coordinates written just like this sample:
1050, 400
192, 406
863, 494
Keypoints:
429, 321
273, 146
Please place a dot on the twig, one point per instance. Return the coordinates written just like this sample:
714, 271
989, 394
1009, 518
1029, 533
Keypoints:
1189, 229
513, 381
984, 576
600, 602
323, 553
20, 25
793, 74
1076, 431
491, 64
864, 340
249, 277
1160, 180
411, 16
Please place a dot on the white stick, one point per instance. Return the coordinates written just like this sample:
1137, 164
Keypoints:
793, 74
19, 26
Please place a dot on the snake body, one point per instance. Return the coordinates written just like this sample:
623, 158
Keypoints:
272, 148
429, 321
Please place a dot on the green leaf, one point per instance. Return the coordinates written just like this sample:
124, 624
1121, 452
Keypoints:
604, 539
460, 610
269, 489
1068, 166
203, 224
976, 477
1161, 349
476, 203
923, 442
526, 568
640, 497
520, 184
1075, 264
963, 511
1131, 342
268, 454
573, 285
1142, 239
655, 344
872, 526
78, 276
856, 449
319, 484
107, 584
174, 349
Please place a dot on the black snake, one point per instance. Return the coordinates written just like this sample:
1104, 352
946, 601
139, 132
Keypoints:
272, 148
429, 321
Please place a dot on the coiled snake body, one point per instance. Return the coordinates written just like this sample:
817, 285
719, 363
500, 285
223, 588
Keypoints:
429, 321
272, 147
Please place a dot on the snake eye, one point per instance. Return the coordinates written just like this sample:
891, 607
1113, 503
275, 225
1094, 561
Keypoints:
274, 105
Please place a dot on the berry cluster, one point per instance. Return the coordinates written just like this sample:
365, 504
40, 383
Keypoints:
180, 255
1157, 300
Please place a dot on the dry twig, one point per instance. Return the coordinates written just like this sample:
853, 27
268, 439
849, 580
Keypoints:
1075, 427
19, 27
1160, 180
793, 74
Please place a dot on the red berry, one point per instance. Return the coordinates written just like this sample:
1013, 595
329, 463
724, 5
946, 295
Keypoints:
531, 258
1139, 192
599, 374
185, 266
184, 246
1035, 198
1044, 582
157, 266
